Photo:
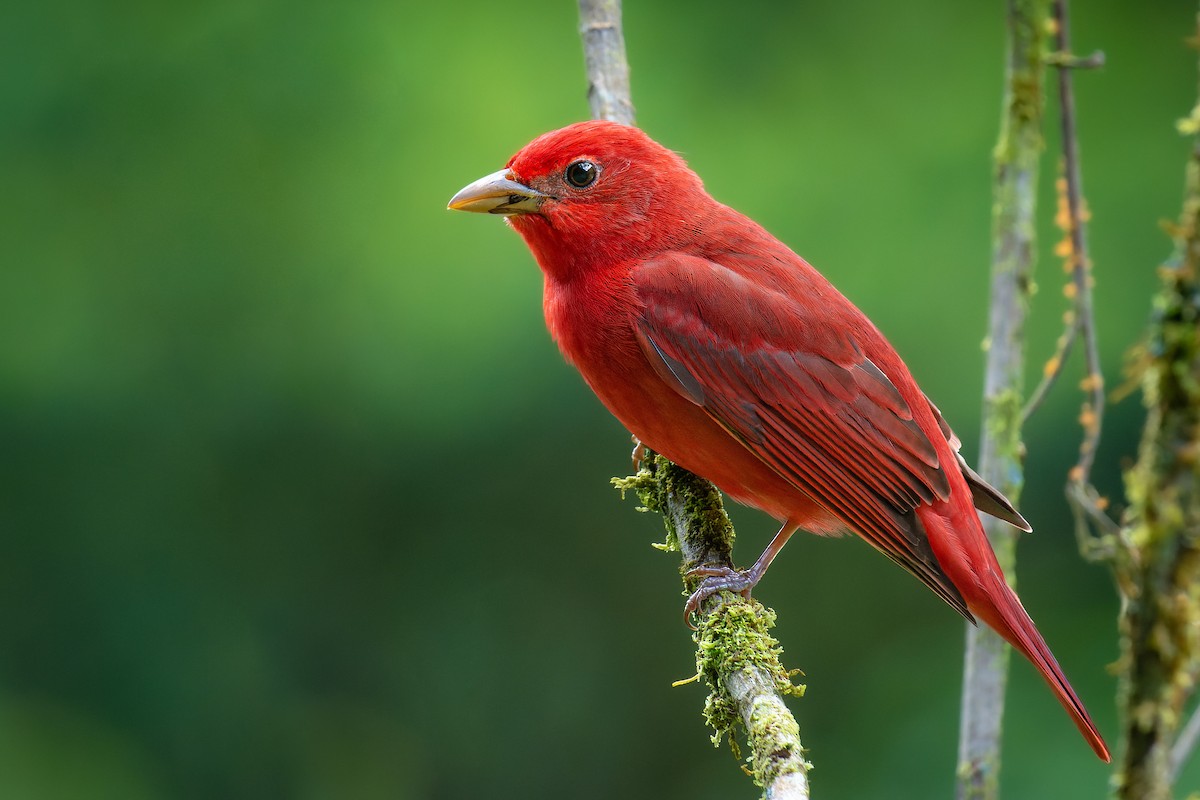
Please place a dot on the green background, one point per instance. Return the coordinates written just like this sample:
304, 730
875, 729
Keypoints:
297, 498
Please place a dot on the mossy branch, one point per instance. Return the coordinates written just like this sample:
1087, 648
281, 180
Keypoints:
1014, 193
1157, 553
736, 655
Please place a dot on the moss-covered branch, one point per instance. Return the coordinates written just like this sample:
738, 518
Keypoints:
1157, 562
1013, 234
736, 655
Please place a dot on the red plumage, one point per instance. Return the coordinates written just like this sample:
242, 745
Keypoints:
720, 348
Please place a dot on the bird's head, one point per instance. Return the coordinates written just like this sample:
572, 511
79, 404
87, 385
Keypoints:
592, 192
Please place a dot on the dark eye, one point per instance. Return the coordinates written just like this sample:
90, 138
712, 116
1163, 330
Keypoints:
581, 174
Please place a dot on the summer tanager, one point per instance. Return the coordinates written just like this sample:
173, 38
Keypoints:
720, 348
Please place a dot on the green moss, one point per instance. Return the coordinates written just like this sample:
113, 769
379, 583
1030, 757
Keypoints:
642, 484
735, 640
1004, 423
682, 497
648, 487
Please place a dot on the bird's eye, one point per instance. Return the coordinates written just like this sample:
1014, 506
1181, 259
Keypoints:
581, 174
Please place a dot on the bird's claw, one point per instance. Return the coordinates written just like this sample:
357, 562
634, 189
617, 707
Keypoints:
717, 578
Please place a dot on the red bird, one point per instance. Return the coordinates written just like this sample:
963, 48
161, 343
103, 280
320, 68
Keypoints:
720, 348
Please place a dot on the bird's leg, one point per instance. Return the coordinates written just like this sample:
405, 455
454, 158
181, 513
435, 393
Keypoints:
639, 453
721, 578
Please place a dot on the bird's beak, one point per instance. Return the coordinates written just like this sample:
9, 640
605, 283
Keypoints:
498, 193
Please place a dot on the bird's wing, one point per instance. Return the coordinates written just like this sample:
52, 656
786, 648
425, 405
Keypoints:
987, 498
800, 394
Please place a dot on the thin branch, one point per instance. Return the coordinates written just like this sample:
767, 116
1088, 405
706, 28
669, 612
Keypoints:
1054, 367
604, 60
1087, 504
1092, 415
736, 655
1017, 154
1185, 744
1065, 61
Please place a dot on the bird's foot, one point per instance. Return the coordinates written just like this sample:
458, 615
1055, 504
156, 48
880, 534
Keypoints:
717, 578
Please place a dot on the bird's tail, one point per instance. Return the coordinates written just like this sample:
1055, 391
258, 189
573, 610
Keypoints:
962, 549
1000, 608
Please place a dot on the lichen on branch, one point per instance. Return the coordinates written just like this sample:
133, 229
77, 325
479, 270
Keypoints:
1157, 553
1016, 161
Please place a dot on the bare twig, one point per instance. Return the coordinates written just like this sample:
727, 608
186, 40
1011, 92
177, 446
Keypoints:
1097, 534
605, 61
1054, 367
1071, 220
1092, 415
1087, 505
736, 655
1094, 528
1013, 225
1185, 744
1066, 60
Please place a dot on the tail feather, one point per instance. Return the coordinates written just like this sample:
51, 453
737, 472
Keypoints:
963, 551
1001, 609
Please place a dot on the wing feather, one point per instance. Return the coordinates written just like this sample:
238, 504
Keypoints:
832, 424
987, 498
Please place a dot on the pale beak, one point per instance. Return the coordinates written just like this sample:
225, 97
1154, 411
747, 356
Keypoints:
498, 193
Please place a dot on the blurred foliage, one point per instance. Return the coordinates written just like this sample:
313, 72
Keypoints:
296, 497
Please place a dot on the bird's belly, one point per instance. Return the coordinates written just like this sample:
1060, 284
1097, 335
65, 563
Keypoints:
672, 425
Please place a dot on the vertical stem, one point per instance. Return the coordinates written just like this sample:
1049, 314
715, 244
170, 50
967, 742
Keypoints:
1157, 565
1081, 268
1013, 235
736, 655
604, 60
